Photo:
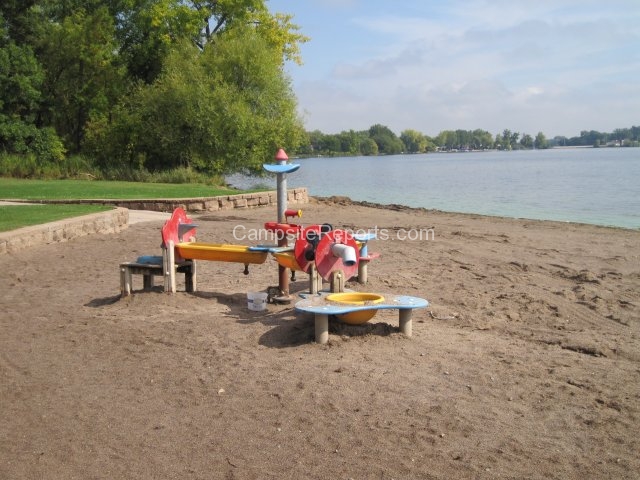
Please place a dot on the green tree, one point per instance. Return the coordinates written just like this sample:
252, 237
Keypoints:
83, 78
447, 140
414, 141
514, 138
387, 141
349, 142
541, 141
526, 141
482, 139
224, 110
368, 147
331, 144
508, 140
315, 141
21, 78
148, 30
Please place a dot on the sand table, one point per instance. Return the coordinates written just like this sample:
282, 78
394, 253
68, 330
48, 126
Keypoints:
525, 365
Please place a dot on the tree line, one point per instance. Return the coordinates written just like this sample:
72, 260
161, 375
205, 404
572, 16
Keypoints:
381, 140
147, 84
199, 85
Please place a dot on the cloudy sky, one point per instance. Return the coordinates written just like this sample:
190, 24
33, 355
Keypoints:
556, 66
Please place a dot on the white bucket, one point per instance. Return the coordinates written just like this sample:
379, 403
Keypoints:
257, 301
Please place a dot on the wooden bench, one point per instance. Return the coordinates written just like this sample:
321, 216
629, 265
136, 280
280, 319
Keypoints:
148, 271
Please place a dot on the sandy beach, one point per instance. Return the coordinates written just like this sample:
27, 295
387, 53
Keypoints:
525, 365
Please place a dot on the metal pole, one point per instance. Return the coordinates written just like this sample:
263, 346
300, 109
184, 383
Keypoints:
283, 273
282, 196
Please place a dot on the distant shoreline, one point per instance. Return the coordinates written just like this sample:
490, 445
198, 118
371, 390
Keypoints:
343, 200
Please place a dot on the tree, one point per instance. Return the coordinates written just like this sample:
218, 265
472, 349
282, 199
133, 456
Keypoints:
541, 141
414, 141
147, 30
482, 139
387, 141
349, 142
508, 139
368, 147
224, 110
83, 78
514, 138
21, 79
446, 139
526, 141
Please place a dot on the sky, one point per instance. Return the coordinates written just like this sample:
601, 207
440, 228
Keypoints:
551, 66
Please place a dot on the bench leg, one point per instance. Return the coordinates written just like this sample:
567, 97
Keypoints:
169, 268
125, 282
405, 321
322, 328
147, 280
190, 278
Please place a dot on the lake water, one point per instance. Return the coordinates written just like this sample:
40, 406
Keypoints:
588, 185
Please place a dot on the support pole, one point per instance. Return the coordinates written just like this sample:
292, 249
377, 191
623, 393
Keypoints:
315, 281
405, 321
169, 267
282, 196
337, 281
190, 278
147, 281
363, 271
283, 273
322, 328
125, 281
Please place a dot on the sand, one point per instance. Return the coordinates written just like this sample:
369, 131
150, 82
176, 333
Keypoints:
526, 364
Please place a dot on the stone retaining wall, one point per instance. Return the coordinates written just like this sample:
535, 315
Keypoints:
203, 204
113, 221
118, 219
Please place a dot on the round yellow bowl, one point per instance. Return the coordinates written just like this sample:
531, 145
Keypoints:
359, 299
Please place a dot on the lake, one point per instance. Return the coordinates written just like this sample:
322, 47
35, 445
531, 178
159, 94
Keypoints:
588, 185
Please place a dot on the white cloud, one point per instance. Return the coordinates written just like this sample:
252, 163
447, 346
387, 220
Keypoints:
552, 66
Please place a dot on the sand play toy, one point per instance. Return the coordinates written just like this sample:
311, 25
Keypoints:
324, 253
356, 317
321, 306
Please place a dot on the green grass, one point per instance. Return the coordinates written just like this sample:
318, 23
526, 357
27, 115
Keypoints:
11, 188
18, 216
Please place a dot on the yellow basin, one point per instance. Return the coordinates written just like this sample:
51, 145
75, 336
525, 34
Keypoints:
287, 260
219, 252
357, 299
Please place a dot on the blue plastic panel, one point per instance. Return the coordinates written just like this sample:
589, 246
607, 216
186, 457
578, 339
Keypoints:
277, 168
319, 304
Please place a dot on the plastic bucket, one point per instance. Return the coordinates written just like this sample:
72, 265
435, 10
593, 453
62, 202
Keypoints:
257, 301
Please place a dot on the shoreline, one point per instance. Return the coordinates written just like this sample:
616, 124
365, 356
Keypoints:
346, 201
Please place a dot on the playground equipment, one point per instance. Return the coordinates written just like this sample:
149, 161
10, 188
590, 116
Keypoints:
356, 317
358, 308
324, 253
180, 250
178, 244
281, 228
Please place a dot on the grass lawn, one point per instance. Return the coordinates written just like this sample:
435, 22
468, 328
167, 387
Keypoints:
11, 188
18, 216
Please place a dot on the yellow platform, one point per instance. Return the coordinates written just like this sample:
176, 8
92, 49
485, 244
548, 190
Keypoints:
287, 260
220, 252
